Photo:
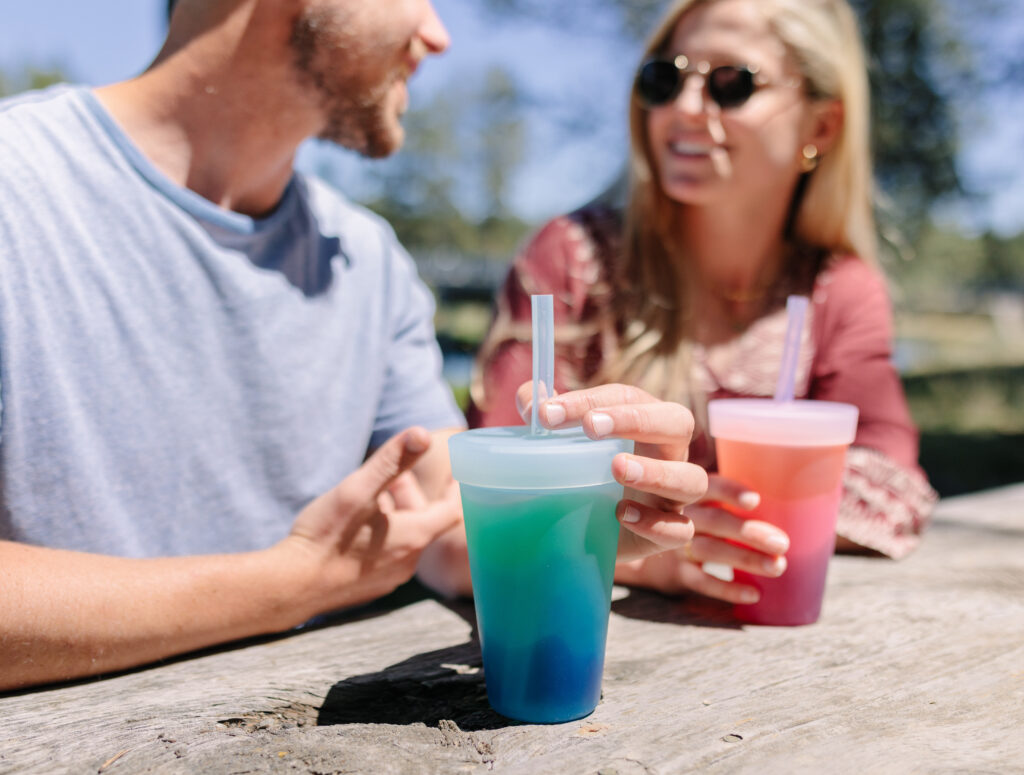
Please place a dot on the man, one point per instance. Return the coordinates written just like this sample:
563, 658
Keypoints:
197, 344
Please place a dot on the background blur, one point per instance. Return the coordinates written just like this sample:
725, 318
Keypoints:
525, 118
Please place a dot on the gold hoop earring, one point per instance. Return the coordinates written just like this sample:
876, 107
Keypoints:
809, 158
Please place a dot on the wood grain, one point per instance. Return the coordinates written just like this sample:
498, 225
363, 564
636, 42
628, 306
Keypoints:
915, 666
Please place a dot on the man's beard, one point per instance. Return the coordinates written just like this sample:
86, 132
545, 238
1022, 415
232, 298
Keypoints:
354, 98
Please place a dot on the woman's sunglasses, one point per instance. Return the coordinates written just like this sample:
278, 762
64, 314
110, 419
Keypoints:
659, 81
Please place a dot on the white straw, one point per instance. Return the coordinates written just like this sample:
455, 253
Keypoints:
796, 310
543, 310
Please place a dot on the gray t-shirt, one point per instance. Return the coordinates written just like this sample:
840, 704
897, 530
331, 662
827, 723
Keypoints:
176, 378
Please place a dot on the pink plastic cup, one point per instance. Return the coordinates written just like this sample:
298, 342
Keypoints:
793, 453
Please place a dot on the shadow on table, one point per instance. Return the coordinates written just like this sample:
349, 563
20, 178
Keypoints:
442, 685
691, 610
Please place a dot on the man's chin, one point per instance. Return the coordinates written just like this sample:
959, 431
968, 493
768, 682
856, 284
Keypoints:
376, 144
382, 146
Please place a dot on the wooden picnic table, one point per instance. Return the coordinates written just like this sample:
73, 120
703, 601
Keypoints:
915, 666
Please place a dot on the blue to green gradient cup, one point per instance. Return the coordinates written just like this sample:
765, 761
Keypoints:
542, 534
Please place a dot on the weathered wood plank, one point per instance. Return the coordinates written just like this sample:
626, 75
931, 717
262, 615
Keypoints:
915, 666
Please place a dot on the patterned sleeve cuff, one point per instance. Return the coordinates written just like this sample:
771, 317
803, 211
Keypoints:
885, 506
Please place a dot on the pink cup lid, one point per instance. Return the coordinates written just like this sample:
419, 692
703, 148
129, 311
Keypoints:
787, 423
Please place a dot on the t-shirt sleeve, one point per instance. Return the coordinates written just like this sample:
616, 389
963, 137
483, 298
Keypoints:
887, 501
414, 391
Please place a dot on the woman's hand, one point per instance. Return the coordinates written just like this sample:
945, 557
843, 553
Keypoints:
659, 482
718, 531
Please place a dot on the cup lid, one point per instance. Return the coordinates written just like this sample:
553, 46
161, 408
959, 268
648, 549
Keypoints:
786, 423
510, 458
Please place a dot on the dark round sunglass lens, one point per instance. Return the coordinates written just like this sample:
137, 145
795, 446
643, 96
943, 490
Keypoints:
657, 82
730, 87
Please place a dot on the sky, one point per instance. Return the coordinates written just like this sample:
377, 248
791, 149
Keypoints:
101, 41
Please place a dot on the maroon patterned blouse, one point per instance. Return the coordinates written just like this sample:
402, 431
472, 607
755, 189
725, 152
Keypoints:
844, 356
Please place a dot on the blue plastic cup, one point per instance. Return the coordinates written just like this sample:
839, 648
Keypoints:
542, 534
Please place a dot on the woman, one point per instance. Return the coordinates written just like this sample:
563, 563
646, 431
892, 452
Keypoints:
750, 180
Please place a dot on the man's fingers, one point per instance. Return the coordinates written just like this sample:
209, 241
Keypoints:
360, 489
423, 526
406, 493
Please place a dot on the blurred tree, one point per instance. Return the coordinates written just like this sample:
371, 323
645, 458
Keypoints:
29, 78
1003, 266
915, 61
921, 69
447, 190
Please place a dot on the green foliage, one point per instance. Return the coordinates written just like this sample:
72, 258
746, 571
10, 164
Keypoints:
922, 69
914, 129
473, 131
30, 78
950, 269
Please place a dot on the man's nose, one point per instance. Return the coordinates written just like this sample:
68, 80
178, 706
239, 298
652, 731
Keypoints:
433, 32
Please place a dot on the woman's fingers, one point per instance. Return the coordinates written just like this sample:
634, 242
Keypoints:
649, 530
672, 480
524, 402
666, 573
729, 492
753, 533
707, 549
661, 422
729, 591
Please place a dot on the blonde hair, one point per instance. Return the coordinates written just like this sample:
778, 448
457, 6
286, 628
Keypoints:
646, 317
833, 214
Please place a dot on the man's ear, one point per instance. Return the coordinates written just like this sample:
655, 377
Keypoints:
826, 124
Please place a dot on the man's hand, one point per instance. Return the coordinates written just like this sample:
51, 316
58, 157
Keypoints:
69, 614
659, 482
364, 538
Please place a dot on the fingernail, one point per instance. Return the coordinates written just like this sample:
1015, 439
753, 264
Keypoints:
415, 444
749, 500
776, 566
554, 414
520, 408
603, 424
631, 515
634, 471
749, 596
768, 537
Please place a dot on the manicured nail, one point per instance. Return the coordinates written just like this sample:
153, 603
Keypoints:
603, 424
749, 500
749, 596
634, 471
631, 515
521, 409
554, 414
771, 538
